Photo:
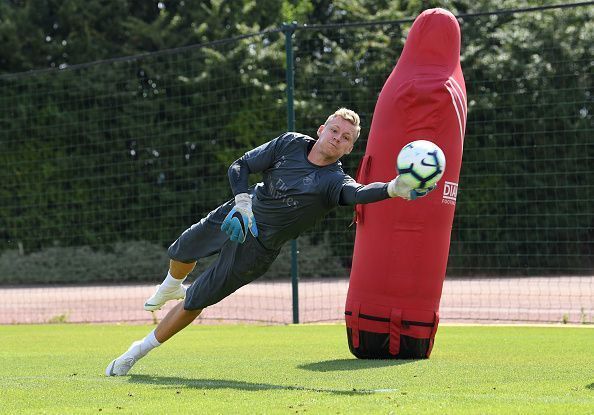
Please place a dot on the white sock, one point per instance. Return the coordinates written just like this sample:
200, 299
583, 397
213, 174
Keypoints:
149, 343
169, 282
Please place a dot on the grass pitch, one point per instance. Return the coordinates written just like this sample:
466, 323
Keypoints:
306, 369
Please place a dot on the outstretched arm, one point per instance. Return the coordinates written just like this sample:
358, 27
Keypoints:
354, 193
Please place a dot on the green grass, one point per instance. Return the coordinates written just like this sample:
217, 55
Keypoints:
295, 370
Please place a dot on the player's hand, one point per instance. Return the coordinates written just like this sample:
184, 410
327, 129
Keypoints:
240, 219
421, 192
397, 188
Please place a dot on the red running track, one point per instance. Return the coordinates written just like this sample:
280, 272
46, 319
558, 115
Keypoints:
482, 300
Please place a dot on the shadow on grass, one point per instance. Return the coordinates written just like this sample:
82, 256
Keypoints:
179, 382
590, 386
351, 364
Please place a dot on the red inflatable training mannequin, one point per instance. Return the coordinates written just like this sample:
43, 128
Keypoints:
401, 247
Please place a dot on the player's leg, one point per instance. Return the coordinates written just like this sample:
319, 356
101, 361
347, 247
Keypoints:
199, 241
236, 266
175, 320
171, 288
194, 242
180, 270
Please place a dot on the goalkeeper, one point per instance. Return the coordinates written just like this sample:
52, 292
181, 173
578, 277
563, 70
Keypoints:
302, 181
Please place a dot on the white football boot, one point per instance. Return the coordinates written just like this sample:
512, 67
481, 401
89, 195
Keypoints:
121, 365
161, 296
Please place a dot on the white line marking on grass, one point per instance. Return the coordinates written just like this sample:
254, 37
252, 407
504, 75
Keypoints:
345, 391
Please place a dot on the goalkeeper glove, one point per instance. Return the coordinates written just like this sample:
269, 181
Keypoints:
398, 188
240, 219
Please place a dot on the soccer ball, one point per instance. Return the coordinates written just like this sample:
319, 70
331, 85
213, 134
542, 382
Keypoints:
420, 164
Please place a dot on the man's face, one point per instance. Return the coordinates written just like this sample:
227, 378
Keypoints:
337, 137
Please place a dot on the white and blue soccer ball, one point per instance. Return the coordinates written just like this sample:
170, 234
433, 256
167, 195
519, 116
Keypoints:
420, 164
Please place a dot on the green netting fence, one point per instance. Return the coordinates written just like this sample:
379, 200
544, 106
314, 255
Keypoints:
106, 163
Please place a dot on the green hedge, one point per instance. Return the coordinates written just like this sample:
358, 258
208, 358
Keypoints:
141, 262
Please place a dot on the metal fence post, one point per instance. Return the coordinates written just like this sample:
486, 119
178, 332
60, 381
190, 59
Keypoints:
288, 30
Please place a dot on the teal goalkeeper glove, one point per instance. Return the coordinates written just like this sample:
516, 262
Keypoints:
240, 219
398, 188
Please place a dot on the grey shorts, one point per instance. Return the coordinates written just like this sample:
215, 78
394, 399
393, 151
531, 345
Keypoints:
236, 265
200, 240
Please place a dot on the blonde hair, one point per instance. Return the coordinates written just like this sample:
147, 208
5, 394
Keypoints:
349, 115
